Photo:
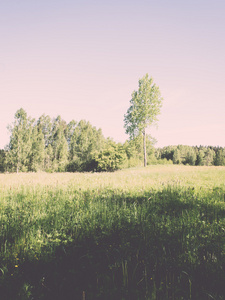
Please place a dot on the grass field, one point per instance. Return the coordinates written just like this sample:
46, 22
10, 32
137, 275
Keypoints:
146, 233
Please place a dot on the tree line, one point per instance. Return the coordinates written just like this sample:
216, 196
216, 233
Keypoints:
52, 145
193, 155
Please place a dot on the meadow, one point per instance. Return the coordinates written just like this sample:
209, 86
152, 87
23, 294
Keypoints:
142, 233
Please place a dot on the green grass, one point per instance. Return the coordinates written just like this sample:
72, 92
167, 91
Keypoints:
146, 233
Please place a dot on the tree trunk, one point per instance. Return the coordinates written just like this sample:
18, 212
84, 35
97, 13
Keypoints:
144, 144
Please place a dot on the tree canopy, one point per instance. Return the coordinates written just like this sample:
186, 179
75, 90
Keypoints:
52, 145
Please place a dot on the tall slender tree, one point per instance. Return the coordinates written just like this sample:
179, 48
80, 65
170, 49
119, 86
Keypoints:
44, 124
20, 141
144, 108
37, 153
59, 144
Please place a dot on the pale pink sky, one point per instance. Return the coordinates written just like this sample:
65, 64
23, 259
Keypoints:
82, 59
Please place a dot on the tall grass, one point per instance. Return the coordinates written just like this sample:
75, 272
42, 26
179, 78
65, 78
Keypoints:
155, 233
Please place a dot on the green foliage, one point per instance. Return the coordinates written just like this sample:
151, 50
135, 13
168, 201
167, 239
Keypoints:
200, 157
84, 142
188, 155
44, 124
111, 158
20, 142
55, 146
162, 161
37, 153
177, 157
59, 144
144, 108
219, 157
2, 160
52, 145
134, 151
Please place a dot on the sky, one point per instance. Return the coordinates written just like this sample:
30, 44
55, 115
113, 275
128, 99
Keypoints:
82, 59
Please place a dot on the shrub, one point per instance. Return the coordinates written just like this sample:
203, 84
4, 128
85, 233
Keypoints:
110, 159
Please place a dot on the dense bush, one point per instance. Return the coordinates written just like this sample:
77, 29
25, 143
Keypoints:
110, 159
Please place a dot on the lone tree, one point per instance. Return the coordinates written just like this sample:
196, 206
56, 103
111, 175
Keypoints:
144, 107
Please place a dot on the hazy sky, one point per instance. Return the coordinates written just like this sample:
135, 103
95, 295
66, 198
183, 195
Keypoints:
82, 59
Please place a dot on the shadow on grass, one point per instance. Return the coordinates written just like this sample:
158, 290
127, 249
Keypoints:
174, 249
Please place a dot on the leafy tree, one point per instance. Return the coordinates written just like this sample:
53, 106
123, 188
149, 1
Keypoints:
84, 142
111, 158
2, 160
190, 157
20, 142
44, 124
59, 144
200, 157
71, 127
37, 153
144, 107
48, 159
168, 152
220, 157
209, 157
177, 157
